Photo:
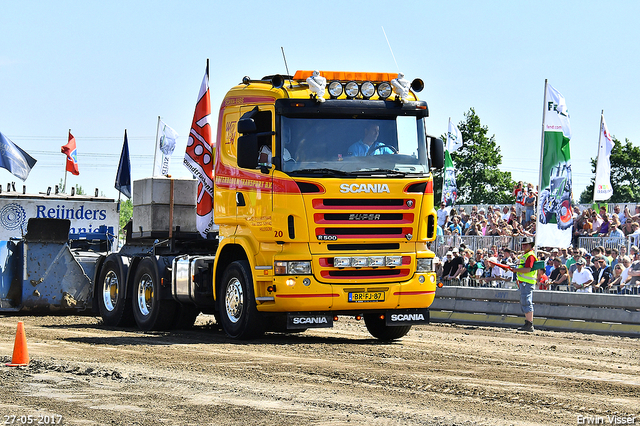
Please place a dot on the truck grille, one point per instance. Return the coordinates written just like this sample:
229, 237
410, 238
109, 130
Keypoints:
349, 219
363, 227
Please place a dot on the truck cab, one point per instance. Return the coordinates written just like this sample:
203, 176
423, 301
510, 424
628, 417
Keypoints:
324, 202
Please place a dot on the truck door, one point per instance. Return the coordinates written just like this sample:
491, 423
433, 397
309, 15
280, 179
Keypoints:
254, 191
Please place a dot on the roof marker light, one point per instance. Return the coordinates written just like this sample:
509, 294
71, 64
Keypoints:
367, 89
351, 89
384, 90
335, 89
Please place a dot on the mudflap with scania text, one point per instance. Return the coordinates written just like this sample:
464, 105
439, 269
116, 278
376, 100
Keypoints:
297, 320
407, 317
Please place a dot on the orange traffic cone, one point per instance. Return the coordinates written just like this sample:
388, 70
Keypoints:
20, 353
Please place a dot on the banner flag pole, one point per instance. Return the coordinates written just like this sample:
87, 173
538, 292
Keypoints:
593, 197
155, 148
544, 106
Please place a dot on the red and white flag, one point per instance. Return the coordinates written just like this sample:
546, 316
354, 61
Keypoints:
199, 157
72, 155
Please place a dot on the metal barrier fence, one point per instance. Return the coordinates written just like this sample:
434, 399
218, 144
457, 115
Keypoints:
468, 207
589, 243
444, 243
511, 284
473, 242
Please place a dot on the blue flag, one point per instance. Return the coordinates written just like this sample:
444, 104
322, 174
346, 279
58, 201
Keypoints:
123, 178
14, 159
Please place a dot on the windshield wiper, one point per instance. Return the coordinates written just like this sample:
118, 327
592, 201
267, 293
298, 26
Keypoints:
323, 172
386, 172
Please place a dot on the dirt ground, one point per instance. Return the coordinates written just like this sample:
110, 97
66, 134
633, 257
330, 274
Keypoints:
82, 373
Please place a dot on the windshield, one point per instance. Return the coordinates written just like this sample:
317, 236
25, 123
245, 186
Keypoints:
350, 146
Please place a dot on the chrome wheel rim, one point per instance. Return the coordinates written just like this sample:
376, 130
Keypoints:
234, 300
145, 294
110, 289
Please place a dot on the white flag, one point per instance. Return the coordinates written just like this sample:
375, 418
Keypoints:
165, 144
602, 189
454, 138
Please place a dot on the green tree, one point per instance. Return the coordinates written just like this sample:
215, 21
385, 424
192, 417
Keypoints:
78, 190
126, 211
625, 174
478, 178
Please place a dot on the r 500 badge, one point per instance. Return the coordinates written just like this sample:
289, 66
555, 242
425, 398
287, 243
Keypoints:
325, 237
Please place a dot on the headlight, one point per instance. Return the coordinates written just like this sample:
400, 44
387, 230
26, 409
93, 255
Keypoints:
351, 89
293, 268
376, 261
360, 262
367, 89
424, 265
393, 261
384, 90
341, 262
335, 89
366, 261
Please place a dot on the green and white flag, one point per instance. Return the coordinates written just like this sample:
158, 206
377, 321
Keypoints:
555, 216
449, 186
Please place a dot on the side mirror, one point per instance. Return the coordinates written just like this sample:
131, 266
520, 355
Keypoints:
436, 152
247, 150
247, 125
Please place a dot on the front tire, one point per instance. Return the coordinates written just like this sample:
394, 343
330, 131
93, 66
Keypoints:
113, 305
380, 330
236, 303
149, 311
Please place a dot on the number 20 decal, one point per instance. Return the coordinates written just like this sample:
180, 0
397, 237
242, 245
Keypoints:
278, 234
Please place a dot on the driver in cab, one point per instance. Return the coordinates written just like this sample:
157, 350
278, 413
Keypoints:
369, 144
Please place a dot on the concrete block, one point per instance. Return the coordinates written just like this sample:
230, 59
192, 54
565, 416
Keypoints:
155, 217
156, 190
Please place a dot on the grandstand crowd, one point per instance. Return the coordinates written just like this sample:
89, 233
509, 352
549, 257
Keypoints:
608, 268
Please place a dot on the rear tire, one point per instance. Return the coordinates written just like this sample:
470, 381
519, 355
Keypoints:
380, 330
113, 305
149, 311
237, 310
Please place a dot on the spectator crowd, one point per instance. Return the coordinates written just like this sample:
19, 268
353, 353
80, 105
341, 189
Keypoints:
517, 220
608, 270
602, 270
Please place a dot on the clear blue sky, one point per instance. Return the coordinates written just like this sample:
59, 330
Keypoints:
99, 68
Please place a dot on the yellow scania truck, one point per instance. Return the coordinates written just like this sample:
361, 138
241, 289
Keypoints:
324, 204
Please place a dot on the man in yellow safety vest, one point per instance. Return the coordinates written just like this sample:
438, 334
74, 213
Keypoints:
527, 278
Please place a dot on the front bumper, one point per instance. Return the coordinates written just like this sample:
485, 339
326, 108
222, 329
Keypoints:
306, 294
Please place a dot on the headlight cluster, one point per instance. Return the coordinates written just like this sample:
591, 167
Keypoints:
366, 89
366, 261
424, 265
293, 268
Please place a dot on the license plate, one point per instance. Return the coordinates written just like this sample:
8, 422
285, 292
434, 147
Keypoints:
370, 296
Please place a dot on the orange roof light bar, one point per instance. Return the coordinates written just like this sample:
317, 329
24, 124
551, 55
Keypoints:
348, 76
